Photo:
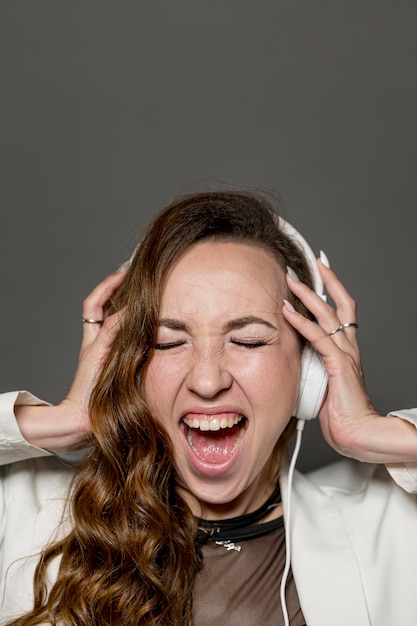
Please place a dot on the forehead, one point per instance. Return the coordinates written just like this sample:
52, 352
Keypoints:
212, 274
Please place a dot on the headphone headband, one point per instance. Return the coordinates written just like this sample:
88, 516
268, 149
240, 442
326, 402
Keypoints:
308, 252
296, 236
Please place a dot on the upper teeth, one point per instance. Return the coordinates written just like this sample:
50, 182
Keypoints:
214, 423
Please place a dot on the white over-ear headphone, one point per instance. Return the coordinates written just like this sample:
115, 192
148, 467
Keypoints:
313, 377
313, 384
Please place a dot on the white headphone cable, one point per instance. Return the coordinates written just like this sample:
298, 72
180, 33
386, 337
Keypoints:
287, 513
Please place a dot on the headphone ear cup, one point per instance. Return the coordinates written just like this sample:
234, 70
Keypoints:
313, 385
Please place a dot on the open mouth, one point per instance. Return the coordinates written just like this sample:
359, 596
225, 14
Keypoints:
215, 438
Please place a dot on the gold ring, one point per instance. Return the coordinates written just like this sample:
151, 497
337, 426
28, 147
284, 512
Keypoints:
90, 321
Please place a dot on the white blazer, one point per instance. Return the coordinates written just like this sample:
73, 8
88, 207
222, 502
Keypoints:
353, 534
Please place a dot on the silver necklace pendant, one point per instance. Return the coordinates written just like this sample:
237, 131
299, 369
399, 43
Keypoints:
229, 545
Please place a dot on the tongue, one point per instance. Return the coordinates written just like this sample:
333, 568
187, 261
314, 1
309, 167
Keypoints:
214, 446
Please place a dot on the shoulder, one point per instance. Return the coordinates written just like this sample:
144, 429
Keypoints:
33, 512
359, 491
354, 533
33, 500
39, 470
347, 475
30, 486
359, 501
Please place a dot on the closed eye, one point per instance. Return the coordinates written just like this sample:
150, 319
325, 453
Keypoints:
169, 344
256, 343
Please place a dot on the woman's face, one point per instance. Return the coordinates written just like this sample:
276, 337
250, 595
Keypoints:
223, 378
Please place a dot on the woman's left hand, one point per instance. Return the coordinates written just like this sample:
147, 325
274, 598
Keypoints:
349, 422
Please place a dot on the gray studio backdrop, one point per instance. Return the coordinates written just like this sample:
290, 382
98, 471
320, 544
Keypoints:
108, 109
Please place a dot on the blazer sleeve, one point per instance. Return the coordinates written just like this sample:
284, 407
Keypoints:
13, 446
405, 474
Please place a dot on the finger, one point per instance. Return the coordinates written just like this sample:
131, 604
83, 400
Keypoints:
346, 308
94, 352
308, 329
101, 294
322, 311
107, 333
111, 326
333, 353
331, 346
93, 310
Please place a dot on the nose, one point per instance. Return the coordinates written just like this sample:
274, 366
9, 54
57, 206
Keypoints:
208, 375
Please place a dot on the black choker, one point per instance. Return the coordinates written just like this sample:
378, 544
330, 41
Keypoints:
241, 527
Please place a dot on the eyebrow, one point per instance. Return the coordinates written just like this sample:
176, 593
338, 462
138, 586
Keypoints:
241, 322
173, 324
235, 324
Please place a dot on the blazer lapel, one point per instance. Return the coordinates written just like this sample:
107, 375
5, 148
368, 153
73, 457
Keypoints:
325, 569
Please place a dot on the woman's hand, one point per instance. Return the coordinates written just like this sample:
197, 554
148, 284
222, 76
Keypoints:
349, 422
66, 426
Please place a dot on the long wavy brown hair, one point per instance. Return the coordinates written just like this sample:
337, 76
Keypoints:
130, 557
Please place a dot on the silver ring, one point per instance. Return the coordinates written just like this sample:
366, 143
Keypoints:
90, 321
343, 326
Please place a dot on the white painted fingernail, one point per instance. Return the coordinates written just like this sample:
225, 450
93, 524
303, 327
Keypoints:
292, 274
324, 259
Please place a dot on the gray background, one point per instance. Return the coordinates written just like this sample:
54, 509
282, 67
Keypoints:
108, 109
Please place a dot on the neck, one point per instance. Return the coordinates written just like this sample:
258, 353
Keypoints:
243, 527
246, 502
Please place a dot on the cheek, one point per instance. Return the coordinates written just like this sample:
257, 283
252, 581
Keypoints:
277, 381
160, 386
152, 385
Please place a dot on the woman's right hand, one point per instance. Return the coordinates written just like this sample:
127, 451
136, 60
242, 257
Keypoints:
66, 426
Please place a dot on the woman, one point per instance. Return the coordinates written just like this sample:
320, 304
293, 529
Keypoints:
190, 384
